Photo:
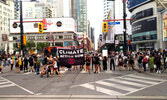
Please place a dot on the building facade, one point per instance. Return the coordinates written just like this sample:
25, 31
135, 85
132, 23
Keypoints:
107, 6
58, 32
6, 13
80, 15
146, 24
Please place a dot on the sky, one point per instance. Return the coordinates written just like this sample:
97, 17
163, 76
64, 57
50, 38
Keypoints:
95, 16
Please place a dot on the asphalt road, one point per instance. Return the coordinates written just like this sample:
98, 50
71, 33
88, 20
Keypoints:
79, 85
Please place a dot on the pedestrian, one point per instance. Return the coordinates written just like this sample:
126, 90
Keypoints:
35, 60
92, 60
55, 66
31, 64
140, 57
157, 61
38, 64
50, 60
25, 64
151, 63
17, 66
112, 63
131, 62
105, 63
144, 62
11, 64
125, 60
100, 62
120, 62
88, 59
20, 63
96, 62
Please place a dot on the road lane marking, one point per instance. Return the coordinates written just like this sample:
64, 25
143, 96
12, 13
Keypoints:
4, 83
138, 80
100, 89
122, 83
9, 85
126, 82
116, 86
12, 83
135, 76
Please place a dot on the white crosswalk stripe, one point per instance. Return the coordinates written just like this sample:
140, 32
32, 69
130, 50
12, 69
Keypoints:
123, 85
5, 83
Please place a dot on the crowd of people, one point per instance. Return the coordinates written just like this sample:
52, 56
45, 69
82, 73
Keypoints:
149, 60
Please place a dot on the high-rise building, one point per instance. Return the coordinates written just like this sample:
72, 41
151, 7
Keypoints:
6, 13
107, 7
79, 13
37, 10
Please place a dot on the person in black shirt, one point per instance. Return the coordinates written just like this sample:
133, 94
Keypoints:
31, 67
96, 62
25, 64
112, 63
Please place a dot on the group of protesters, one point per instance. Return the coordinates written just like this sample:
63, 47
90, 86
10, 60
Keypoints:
148, 60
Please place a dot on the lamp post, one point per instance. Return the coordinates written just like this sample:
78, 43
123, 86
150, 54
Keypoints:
124, 24
21, 28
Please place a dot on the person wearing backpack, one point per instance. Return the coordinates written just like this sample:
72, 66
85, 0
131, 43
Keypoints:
144, 62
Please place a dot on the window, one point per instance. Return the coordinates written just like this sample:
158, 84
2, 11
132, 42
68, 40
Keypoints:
68, 37
59, 44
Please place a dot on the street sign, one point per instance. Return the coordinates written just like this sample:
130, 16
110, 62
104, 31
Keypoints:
113, 23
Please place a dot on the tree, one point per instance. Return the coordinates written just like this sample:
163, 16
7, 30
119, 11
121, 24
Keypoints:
41, 46
30, 45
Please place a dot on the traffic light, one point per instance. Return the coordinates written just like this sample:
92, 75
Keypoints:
40, 27
129, 42
24, 40
17, 45
105, 26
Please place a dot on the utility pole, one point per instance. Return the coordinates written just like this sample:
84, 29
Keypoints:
124, 23
21, 29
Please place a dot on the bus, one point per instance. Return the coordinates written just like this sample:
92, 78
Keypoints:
53, 50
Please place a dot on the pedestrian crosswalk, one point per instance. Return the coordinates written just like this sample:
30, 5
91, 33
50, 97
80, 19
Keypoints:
5, 83
123, 85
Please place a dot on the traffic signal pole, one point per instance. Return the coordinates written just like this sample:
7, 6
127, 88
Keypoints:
124, 24
21, 29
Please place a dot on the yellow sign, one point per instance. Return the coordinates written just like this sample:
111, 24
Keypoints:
105, 26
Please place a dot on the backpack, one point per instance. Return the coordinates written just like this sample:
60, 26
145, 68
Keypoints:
145, 60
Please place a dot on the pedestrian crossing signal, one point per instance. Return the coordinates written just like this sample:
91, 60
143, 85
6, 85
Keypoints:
40, 27
105, 27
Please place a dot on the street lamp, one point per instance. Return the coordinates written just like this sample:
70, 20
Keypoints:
124, 23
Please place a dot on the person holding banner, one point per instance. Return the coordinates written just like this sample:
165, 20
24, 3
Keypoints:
88, 59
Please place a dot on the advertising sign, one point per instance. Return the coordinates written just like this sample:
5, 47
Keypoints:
134, 3
142, 14
50, 25
165, 26
70, 57
145, 26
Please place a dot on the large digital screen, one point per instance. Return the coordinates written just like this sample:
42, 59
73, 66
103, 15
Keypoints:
134, 3
145, 26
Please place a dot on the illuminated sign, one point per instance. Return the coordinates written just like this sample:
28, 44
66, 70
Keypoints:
131, 4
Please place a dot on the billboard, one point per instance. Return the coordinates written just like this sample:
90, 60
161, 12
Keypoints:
145, 26
50, 25
134, 3
165, 26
